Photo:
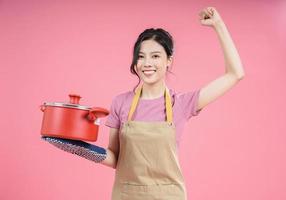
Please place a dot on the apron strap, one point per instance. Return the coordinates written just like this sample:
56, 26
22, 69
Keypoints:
168, 104
134, 102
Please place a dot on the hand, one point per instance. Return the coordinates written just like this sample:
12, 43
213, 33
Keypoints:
210, 17
80, 148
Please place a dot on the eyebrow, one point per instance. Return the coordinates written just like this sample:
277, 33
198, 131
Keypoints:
151, 52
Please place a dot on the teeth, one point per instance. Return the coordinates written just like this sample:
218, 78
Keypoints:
149, 72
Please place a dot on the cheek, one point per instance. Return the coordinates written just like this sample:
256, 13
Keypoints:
161, 72
136, 68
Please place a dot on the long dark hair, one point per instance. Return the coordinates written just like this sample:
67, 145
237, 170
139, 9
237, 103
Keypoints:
159, 35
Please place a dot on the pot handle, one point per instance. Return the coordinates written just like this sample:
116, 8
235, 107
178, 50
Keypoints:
97, 112
74, 98
42, 108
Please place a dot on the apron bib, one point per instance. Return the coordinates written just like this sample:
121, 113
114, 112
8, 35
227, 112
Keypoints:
148, 167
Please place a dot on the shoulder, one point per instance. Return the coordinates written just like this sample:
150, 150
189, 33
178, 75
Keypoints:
122, 97
188, 102
182, 96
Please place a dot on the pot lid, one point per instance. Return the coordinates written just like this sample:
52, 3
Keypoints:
74, 103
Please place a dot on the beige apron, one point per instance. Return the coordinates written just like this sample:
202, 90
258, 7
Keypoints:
148, 167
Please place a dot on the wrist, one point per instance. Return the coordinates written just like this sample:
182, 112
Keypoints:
219, 25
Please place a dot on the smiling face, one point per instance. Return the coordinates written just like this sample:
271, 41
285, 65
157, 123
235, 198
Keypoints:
152, 62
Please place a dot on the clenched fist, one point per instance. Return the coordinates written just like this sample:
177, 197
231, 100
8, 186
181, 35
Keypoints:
210, 17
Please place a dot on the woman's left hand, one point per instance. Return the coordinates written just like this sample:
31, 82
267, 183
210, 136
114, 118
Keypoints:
210, 17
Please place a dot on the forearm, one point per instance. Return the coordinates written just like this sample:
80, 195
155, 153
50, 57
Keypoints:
232, 60
111, 159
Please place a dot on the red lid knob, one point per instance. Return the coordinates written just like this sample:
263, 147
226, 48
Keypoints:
74, 98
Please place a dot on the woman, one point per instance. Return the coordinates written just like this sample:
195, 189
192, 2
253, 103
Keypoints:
145, 124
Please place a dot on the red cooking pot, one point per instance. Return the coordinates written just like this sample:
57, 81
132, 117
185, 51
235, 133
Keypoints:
71, 120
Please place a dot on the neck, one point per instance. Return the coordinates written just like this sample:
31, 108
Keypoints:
153, 91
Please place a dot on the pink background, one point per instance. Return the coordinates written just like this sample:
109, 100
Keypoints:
235, 149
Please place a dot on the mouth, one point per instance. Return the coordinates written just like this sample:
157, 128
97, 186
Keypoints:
149, 72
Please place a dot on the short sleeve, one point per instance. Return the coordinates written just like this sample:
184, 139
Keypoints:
113, 119
189, 103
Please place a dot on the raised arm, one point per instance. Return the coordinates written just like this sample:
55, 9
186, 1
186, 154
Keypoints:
234, 71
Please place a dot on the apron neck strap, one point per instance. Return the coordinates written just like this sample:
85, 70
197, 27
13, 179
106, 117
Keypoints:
168, 104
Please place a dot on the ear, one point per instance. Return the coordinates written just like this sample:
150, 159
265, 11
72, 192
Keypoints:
170, 61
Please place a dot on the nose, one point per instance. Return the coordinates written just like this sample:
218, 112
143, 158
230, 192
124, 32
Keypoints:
147, 63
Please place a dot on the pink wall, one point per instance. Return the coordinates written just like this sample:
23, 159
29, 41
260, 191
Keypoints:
235, 149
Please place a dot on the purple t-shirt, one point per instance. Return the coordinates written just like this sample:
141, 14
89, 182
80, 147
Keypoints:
184, 107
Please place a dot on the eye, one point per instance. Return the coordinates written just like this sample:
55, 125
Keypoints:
140, 56
156, 56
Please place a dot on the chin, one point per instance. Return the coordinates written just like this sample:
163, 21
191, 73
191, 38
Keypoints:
150, 82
